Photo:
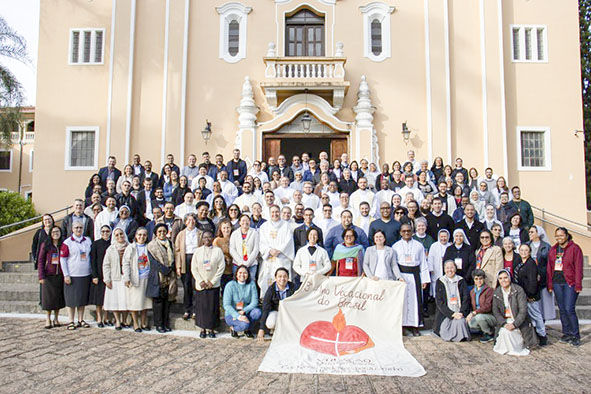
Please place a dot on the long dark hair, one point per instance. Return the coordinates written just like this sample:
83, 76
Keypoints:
49, 242
569, 236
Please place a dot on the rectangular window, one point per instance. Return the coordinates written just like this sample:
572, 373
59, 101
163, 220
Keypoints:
534, 148
529, 43
6, 161
86, 46
81, 148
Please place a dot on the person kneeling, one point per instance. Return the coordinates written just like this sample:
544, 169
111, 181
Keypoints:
481, 318
451, 300
278, 291
240, 303
515, 333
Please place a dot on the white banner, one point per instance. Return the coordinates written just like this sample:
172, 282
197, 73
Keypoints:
341, 326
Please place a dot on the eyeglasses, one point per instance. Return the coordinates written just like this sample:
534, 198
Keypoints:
405, 231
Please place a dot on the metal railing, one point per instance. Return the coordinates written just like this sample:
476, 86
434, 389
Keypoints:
543, 217
30, 220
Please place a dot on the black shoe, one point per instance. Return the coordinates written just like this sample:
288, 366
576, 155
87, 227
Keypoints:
109, 323
565, 339
118, 328
202, 334
486, 338
167, 329
147, 328
161, 330
574, 341
101, 325
138, 330
211, 334
543, 340
415, 332
248, 334
233, 333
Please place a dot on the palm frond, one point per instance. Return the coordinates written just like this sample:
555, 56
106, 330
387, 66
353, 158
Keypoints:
12, 44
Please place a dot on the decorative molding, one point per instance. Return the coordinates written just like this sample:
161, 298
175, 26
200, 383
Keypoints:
165, 84
292, 107
233, 12
381, 12
364, 111
502, 86
130, 81
447, 80
184, 84
428, 83
110, 89
247, 112
483, 70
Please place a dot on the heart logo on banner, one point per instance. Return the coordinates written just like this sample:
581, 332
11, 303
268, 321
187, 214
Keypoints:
336, 338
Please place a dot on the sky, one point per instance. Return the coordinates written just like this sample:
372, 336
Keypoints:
23, 16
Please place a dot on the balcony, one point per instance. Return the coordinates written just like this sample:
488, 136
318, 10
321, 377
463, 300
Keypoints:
28, 137
324, 76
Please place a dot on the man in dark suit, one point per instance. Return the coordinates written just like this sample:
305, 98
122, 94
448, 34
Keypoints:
149, 174
138, 168
300, 234
78, 216
236, 169
143, 197
284, 169
109, 172
471, 226
170, 163
125, 198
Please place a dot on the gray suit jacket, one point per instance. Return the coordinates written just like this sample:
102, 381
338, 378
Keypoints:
370, 261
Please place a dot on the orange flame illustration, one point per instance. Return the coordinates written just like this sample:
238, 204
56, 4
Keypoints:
338, 321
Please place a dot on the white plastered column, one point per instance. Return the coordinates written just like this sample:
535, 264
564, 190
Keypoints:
364, 140
247, 116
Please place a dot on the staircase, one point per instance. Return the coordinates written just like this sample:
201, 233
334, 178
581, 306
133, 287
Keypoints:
19, 293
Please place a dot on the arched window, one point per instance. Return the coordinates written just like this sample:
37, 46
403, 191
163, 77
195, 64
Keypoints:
233, 38
304, 34
376, 37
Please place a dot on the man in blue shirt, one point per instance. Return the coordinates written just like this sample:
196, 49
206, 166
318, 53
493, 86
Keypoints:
335, 235
389, 226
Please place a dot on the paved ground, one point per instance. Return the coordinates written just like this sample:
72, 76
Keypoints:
35, 360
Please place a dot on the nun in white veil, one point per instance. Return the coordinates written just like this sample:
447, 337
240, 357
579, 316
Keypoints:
435, 259
490, 217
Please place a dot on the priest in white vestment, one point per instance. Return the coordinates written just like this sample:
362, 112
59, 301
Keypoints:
415, 272
363, 194
276, 248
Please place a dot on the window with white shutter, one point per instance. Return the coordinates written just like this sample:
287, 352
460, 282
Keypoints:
376, 31
86, 46
529, 43
81, 148
533, 148
233, 29
6, 160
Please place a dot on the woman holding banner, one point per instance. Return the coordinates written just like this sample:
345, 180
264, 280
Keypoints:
453, 305
380, 260
348, 256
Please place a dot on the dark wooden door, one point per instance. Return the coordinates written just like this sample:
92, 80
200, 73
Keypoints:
272, 148
338, 146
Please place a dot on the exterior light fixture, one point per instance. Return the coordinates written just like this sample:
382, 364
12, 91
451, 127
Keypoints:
405, 132
206, 132
306, 119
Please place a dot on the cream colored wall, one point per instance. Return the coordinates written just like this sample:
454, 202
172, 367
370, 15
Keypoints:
9, 180
398, 85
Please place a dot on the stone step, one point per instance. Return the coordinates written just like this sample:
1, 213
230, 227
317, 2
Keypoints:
19, 277
583, 312
19, 292
18, 266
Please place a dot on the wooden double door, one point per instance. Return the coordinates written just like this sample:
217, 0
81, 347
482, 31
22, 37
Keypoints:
291, 145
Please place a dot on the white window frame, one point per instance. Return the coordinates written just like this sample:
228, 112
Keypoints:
68, 151
534, 58
547, 148
92, 61
28, 194
10, 160
381, 12
31, 158
233, 12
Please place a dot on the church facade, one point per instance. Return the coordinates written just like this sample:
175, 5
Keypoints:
496, 82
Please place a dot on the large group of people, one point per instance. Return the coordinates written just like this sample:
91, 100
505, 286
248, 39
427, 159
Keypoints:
242, 238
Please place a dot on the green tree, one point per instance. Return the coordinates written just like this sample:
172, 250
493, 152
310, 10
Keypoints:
14, 208
585, 37
12, 46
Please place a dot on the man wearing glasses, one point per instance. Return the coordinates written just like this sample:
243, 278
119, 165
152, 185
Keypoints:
389, 226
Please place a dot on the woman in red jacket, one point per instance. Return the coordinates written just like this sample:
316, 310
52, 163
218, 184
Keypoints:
565, 278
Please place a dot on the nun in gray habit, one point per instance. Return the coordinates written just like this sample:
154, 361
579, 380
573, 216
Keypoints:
453, 305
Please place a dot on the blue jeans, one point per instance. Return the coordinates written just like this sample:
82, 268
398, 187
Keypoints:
252, 270
534, 310
254, 315
566, 297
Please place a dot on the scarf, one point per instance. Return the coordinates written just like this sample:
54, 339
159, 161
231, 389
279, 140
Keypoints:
162, 251
452, 290
343, 252
480, 255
